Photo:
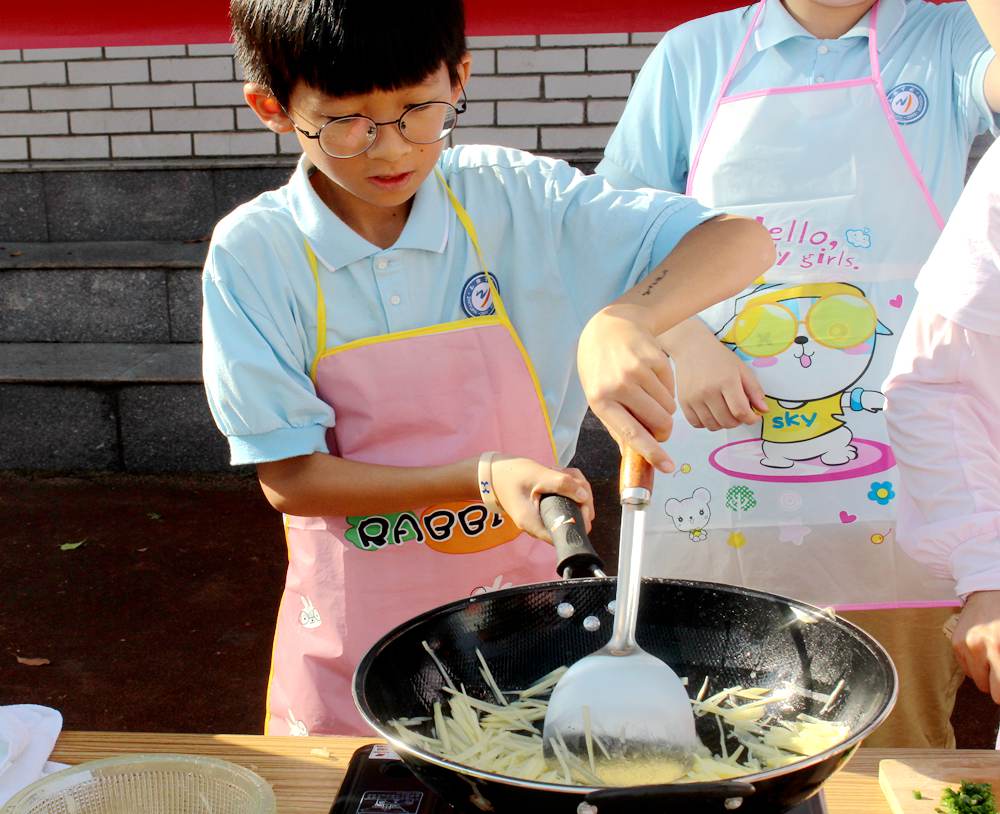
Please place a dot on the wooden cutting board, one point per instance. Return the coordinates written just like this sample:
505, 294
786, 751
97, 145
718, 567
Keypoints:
930, 776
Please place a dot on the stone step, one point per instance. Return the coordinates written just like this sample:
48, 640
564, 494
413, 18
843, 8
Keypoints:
99, 363
142, 408
138, 200
119, 291
106, 406
152, 200
172, 254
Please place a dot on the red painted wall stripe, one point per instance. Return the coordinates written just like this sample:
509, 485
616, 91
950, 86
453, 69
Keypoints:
71, 23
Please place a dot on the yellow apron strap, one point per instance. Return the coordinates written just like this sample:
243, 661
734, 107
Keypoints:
470, 229
501, 311
320, 311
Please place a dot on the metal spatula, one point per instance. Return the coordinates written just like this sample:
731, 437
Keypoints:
635, 705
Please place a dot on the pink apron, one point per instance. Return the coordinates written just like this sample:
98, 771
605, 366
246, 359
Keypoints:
423, 397
803, 503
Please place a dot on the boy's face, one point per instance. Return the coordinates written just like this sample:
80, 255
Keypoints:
389, 173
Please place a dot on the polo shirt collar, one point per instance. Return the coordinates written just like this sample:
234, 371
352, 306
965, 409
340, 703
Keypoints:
777, 25
338, 245
430, 219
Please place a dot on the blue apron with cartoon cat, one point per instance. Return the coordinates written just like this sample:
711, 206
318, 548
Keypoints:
803, 503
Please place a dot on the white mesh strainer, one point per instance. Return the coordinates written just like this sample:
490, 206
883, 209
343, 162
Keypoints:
147, 784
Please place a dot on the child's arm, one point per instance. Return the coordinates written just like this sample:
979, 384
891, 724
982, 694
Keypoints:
988, 14
256, 370
941, 393
976, 641
321, 484
943, 411
624, 371
715, 389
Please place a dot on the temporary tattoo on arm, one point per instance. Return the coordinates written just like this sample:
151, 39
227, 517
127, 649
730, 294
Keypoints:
655, 282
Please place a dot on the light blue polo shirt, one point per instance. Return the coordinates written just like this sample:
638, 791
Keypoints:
560, 244
939, 49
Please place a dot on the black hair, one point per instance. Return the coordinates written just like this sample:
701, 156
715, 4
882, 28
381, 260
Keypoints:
346, 47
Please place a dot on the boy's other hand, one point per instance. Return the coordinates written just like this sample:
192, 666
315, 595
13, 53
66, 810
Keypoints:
628, 380
976, 641
716, 390
519, 484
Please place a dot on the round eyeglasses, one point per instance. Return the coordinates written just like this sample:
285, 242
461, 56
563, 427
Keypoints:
350, 136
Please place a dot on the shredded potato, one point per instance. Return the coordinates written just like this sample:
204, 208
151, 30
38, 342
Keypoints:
505, 737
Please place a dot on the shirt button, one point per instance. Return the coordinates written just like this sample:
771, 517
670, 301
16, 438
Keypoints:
381, 264
395, 299
823, 50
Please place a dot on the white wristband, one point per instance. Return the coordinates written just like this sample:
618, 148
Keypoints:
486, 491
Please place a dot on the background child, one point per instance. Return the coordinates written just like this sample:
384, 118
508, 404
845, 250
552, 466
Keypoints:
944, 399
844, 127
391, 336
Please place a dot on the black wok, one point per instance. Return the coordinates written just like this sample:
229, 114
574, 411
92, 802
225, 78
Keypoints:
731, 635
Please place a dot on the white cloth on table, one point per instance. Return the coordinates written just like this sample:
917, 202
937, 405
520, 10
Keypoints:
28, 734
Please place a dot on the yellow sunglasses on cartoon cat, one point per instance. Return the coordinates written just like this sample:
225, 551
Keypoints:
838, 321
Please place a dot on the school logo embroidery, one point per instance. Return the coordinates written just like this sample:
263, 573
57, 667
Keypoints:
477, 299
908, 102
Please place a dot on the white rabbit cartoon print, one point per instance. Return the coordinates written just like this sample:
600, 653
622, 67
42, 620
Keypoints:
309, 617
295, 726
809, 345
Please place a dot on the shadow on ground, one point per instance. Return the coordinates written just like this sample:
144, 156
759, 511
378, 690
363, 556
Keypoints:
153, 599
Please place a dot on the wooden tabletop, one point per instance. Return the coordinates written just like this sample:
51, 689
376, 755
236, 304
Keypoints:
306, 772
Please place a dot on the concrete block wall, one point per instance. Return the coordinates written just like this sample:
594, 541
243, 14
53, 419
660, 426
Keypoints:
556, 94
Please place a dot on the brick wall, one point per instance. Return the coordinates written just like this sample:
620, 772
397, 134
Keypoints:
557, 94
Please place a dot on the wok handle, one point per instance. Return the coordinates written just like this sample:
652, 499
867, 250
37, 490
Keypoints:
606, 801
564, 521
635, 478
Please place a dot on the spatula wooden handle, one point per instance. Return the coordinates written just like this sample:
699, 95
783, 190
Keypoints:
635, 474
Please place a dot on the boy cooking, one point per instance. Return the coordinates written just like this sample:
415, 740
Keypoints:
390, 338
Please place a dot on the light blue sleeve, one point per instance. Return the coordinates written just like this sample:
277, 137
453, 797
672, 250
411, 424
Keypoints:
607, 239
971, 55
649, 146
256, 367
